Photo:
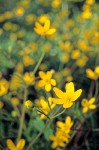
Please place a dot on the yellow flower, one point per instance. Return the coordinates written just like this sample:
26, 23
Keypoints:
67, 125
15, 101
46, 80
93, 74
28, 104
66, 98
45, 106
62, 134
19, 145
27, 60
3, 87
44, 30
29, 78
88, 104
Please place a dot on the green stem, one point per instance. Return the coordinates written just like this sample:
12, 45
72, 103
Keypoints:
22, 116
58, 114
40, 133
39, 62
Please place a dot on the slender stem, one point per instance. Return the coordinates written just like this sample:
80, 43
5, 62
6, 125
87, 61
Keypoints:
58, 114
40, 133
57, 110
40, 60
22, 116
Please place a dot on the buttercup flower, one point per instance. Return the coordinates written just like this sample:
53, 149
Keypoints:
46, 80
93, 74
66, 98
3, 87
67, 125
88, 104
62, 134
44, 30
19, 145
45, 106
28, 104
29, 78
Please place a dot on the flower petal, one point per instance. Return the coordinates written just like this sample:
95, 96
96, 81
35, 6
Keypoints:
70, 87
21, 144
47, 25
10, 144
51, 31
90, 74
60, 124
42, 74
53, 82
85, 109
57, 101
77, 94
91, 101
58, 92
67, 105
92, 106
48, 87
49, 74
41, 83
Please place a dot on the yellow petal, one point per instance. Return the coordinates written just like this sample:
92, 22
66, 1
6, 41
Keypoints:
70, 87
77, 94
58, 92
48, 87
92, 106
10, 144
21, 144
38, 31
57, 101
53, 82
37, 24
90, 74
91, 101
47, 25
60, 124
68, 120
97, 70
49, 75
51, 31
85, 109
42, 74
67, 105
41, 83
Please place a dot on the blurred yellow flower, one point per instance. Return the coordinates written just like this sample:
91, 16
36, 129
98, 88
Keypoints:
62, 134
66, 98
27, 60
4, 85
67, 125
19, 145
93, 74
46, 80
45, 106
28, 104
44, 29
29, 78
15, 101
88, 104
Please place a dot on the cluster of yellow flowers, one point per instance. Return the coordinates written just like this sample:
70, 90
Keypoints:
62, 133
36, 65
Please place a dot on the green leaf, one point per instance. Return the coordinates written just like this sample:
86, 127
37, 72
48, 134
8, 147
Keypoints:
38, 124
